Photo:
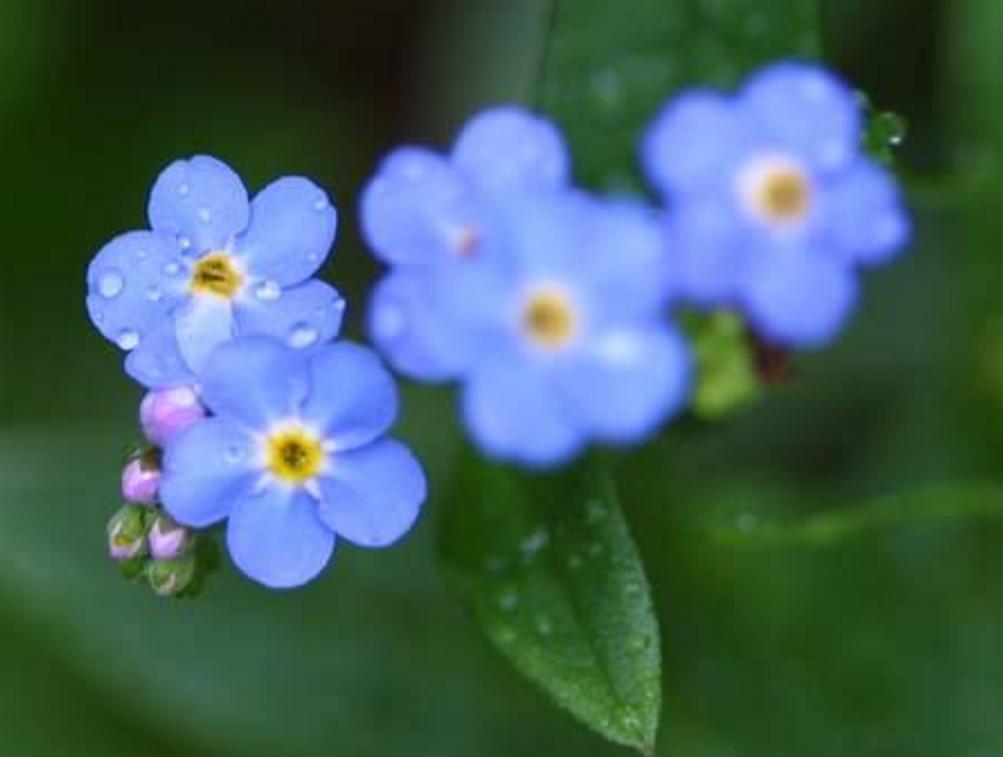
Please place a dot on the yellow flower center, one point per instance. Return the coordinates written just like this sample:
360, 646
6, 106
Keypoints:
294, 455
777, 191
217, 274
549, 319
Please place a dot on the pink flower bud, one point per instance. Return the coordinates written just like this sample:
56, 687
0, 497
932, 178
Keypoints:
165, 412
140, 484
127, 533
168, 540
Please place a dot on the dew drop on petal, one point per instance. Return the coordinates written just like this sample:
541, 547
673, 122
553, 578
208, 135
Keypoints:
205, 215
184, 189
110, 284
320, 204
302, 336
268, 291
184, 243
171, 269
153, 293
128, 339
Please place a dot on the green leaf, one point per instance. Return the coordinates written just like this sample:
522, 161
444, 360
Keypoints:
933, 504
726, 365
552, 575
609, 68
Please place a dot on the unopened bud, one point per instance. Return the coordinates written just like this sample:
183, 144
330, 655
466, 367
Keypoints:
168, 540
140, 481
165, 412
127, 533
171, 577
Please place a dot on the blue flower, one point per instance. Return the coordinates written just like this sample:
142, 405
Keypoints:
213, 266
294, 455
423, 211
561, 337
772, 205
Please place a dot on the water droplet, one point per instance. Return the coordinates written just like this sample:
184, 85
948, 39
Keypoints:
153, 293
184, 188
97, 314
595, 511
111, 284
268, 291
184, 243
320, 204
233, 454
141, 254
313, 257
544, 625
205, 215
746, 522
508, 600
388, 321
638, 642
302, 336
128, 339
533, 543
171, 269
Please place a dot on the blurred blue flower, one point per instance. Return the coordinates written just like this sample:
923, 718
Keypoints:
561, 338
772, 205
215, 265
294, 455
423, 211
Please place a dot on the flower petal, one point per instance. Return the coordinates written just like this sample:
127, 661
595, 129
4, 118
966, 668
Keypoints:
157, 362
374, 494
201, 202
418, 209
508, 148
207, 467
705, 255
627, 382
807, 108
797, 299
513, 410
201, 325
406, 326
303, 316
291, 231
694, 142
254, 381
276, 537
353, 399
863, 216
132, 284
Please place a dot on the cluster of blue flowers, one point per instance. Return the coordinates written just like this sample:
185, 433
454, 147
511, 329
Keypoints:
258, 417
550, 305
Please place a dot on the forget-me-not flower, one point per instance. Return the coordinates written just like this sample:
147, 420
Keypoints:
293, 456
561, 338
772, 204
423, 212
215, 265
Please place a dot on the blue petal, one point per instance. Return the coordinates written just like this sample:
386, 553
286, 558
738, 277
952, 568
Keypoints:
254, 381
373, 495
200, 326
695, 142
353, 399
292, 228
405, 324
797, 299
624, 267
513, 410
201, 202
157, 362
302, 316
276, 537
806, 108
508, 149
706, 256
132, 284
207, 467
862, 214
627, 382
419, 209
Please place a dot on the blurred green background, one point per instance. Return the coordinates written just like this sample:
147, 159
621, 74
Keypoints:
885, 642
